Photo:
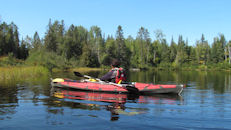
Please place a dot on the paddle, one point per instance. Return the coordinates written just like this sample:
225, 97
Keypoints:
127, 87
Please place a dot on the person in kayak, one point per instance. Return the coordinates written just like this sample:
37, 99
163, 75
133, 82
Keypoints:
116, 74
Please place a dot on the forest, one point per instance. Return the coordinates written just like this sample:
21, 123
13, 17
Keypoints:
77, 46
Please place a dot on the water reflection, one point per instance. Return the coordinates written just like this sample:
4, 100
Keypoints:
207, 96
115, 102
8, 102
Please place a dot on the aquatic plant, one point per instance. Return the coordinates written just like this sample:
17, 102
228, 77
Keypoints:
13, 75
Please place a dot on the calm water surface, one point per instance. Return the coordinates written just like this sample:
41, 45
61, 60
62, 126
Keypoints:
204, 104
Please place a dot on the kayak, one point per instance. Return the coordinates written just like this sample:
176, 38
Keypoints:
101, 86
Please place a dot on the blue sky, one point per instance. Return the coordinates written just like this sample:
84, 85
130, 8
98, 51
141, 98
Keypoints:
189, 18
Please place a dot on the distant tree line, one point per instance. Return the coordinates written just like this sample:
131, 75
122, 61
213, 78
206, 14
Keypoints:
9, 41
78, 46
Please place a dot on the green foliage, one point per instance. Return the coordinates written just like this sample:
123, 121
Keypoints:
165, 65
49, 60
144, 48
36, 42
203, 67
74, 39
122, 52
9, 41
9, 60
173, 51
96, 41
217, 51
89, 58
76, 46
109, 51
202, 51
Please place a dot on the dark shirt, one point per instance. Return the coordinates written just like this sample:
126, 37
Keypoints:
110, 76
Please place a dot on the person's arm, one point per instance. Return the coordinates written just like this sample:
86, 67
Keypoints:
107, 76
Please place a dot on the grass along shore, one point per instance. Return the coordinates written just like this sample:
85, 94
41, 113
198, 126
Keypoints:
10, 76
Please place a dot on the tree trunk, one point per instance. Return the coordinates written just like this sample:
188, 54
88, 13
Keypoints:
229, 54
154, 56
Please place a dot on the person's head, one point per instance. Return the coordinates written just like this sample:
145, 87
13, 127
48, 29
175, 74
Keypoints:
115, 63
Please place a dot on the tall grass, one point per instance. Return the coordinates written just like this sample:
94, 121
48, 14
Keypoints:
87, 69
10, 76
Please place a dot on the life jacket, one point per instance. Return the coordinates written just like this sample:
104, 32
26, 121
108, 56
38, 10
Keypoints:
120, 75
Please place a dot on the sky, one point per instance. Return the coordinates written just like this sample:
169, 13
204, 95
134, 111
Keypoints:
189, 18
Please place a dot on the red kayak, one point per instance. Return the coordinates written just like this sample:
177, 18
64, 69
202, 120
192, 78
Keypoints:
100, 86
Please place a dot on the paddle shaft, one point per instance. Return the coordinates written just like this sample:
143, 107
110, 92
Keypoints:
89, 77
128, 88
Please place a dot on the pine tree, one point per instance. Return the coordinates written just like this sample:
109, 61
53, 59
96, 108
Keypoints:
181, 52
50, 38
122, 52
36, 42
202, 48
173, 51
217, 51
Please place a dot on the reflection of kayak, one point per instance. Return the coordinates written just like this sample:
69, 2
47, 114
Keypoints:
113, 97
114, 102
91, 96
143, 88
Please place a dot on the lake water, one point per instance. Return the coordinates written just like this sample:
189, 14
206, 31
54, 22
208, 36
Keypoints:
204, 104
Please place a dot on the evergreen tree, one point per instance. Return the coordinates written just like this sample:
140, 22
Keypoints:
134, 49
1, 40
181, 52
173, 51
23, 50
122, 52
140, 38
55, 37
156, 52
217, 51
71, 48
50, 39
15, 39
89, 58
144, 45
110, 51
96, 40
36, 42
192, 56
163, 50
9, 41
202, 48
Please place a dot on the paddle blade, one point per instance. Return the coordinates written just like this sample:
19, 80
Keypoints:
78, 74
132, 89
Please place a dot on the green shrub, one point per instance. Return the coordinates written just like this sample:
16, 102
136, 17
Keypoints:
10, 60
50, 60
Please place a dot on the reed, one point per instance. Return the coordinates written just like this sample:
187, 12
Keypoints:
10, 76
86, 69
